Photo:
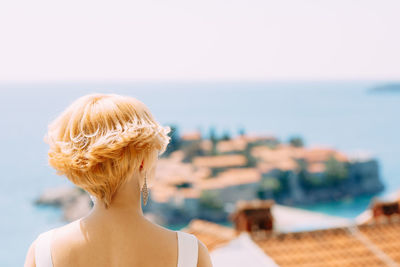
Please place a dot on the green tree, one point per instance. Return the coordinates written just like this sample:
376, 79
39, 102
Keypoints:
214, 141
304, 177
296, 141
251, 160
335, 171
226, 135
283, 178
210, 200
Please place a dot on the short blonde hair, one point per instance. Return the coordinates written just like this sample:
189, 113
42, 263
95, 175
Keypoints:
101, 139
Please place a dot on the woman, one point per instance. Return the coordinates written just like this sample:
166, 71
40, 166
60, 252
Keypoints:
109, 145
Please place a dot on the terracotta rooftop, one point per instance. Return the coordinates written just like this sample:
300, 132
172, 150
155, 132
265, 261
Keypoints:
285, 165
385, 236
162, 193
232, 177
322, 154
365, 245
281, 152
237, 144
206, 145
172, 172
284, 157
316, 167
191, 136
220, 161
189, 192
211, 234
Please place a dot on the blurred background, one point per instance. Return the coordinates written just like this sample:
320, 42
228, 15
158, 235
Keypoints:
293, 103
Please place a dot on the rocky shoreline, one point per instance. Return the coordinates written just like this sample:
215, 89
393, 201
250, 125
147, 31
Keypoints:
74, 202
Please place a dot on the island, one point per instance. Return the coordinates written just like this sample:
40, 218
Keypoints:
386, 88
204, 178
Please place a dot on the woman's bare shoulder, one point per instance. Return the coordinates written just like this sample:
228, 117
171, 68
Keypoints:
204, 256
159, 229
30, 255
204, 259
68, 235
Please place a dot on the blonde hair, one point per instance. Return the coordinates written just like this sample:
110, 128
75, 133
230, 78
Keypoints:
101, 139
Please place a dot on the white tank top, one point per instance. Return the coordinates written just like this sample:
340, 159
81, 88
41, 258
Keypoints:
187, 250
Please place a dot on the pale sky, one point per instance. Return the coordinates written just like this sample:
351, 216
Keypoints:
116, 40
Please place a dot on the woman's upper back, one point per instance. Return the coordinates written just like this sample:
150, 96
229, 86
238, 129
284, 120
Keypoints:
59, 248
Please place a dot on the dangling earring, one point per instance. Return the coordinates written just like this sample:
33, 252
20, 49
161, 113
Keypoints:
92, 198
145, 192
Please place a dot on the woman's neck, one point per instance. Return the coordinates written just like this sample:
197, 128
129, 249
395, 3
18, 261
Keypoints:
125, 205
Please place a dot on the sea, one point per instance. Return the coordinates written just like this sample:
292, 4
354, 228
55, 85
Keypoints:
343, 115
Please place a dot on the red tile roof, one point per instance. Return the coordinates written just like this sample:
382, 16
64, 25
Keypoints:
376, 244
191, 136
316, 167
211, 234
237, 144
322, 154
232, 177
220, 161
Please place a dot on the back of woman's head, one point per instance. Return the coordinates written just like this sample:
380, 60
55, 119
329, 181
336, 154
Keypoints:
100, 140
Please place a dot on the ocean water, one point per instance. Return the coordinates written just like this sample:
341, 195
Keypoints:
342, 115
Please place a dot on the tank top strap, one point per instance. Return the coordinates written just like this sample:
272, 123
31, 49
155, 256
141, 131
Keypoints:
43, 250
187, 250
